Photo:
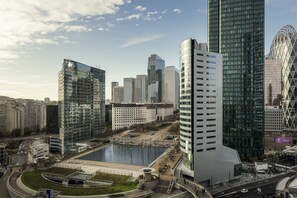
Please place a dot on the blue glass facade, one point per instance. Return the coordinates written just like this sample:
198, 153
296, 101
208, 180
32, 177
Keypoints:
81, 102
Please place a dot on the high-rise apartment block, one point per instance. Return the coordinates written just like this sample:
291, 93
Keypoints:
170, 86
156, 65
140, 89
273, 82
236, 30
284, 48
129, 90
81, 102
113, 84
201, 114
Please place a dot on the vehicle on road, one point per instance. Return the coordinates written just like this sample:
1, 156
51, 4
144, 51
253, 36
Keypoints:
244, 190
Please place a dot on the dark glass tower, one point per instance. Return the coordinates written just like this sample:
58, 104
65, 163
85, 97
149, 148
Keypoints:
81, 102
156, 65
236, 30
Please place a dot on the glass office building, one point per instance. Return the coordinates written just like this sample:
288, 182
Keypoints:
156, 65
81, 102
236, 30
284, 48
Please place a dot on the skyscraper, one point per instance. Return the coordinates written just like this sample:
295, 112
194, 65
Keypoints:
113, 84
129, 90
170, 86
273, 82
201, 139
140, 89
81, 102
284, 48
118, 94
156, 65
236, 30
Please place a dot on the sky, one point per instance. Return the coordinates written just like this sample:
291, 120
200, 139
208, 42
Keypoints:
116, 35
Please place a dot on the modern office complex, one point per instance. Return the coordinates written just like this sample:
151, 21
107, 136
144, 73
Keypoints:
140, 89
126, 115
113, 84
81, 102
170, 86
273, 81
118, 94
273, 119
201, 138
284, 48
236, 30
156, 65
129, 90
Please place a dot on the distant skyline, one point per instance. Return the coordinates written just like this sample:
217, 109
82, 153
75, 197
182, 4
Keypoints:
117, 35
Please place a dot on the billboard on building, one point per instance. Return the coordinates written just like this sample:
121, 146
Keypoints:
283, 140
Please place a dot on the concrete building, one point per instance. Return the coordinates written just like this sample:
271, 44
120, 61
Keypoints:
236, 30
55, 144
140, 89
129, 90
113, 84
38, 150
81, 102
15, 118
273, 82
273, 119
170, 86
126, 115
201, 138
118, 94
156, 65
284, 48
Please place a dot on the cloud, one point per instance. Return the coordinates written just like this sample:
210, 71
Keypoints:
140, 8
151, 16
76, 28
178, 11
130, 17
103, 29
141, 39
23, 23
164, 11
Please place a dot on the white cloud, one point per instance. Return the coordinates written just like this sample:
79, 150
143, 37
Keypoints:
130, 17
164, 11
178, 11
76, 28
151, 16
140, 8
141, 39
24, 23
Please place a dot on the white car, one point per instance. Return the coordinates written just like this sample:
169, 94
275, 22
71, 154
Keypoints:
244, 190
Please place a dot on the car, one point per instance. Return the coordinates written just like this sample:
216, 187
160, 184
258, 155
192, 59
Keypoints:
244, 190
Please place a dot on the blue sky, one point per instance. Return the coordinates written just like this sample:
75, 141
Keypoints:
117, 35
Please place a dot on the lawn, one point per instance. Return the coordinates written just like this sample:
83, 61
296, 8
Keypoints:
61, 171
34, 180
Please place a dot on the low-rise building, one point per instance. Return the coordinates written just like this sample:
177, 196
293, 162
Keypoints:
38, 150
126, 115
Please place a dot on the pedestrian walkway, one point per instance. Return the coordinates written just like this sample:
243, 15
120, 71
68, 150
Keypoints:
196, 189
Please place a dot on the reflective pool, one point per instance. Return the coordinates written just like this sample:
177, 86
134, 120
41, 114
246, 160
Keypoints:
126, 154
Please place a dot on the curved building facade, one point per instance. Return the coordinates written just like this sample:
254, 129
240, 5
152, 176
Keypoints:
284, 48
201, 138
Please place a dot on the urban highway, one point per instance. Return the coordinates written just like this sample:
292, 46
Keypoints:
267, 187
